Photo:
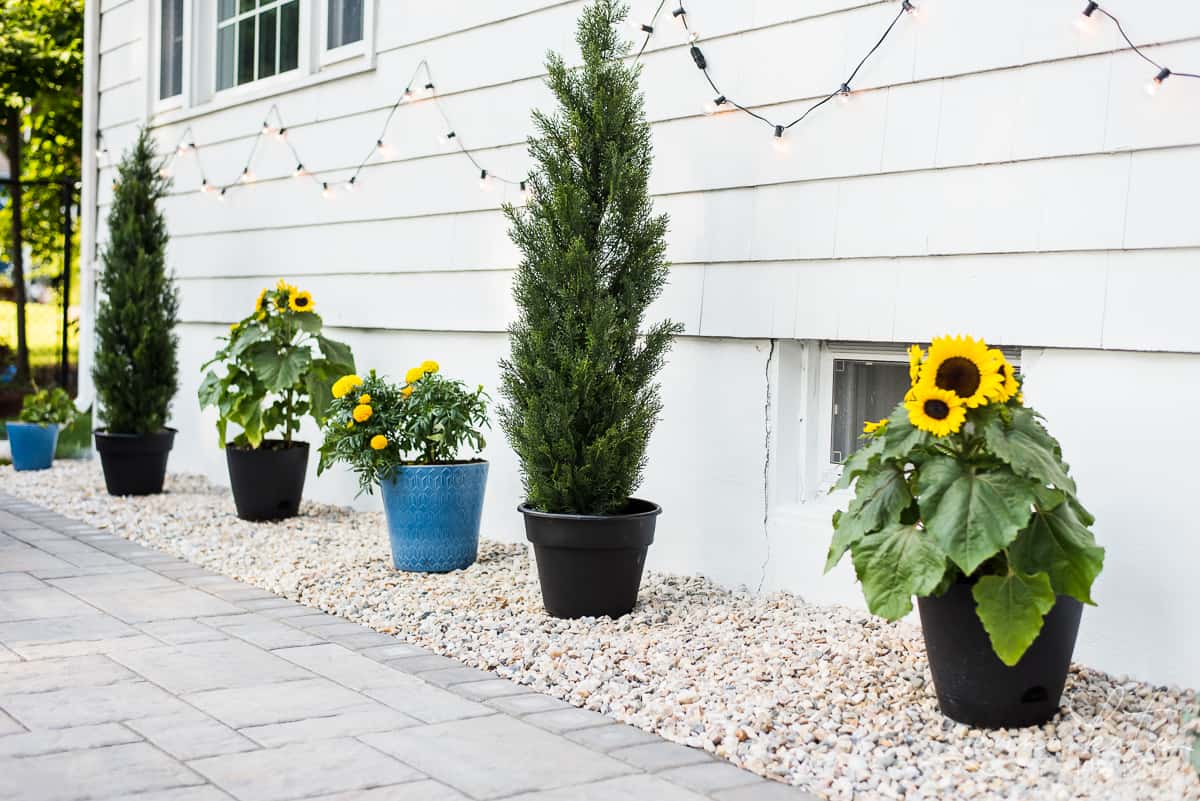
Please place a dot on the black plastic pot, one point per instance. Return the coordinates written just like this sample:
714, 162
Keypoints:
134, 464
973, 686
591, 565
267, 481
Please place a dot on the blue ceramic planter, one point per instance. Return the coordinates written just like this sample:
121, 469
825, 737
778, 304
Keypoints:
32, 445
433, 514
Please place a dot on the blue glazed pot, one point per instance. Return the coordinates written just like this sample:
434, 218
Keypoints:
433, 514
32, 445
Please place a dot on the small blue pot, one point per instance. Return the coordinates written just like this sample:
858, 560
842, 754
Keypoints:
433, 514
32, 445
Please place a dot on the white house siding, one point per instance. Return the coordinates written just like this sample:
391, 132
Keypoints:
994, 173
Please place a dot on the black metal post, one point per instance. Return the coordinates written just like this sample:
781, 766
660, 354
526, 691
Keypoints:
68, 198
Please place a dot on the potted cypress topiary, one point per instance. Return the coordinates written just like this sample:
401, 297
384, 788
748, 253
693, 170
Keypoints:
579, 385
962, 499
278, 367
136, 370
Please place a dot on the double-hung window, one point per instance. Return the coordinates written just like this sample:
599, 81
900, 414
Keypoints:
256, 39
344, 23
170, 61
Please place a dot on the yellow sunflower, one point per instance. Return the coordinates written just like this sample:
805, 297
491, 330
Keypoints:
938, 411
415, 374
429, 366
344, 385
1009, 386
300, 302
378, 442
363, 412
915, 356
260, 305
962, 365
871, 428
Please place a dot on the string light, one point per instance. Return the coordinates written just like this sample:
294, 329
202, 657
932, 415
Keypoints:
267, 129
247, 176
427, 90
384, 149
1162, 73
717, 104
446, 139
526, 192
1157, 81
326, 191
164, 172
778, 142
299, 172
1085, 21
407, 96
205, 186
350, 185
844, 93
907, 7
485, 181
281, 134
680, 15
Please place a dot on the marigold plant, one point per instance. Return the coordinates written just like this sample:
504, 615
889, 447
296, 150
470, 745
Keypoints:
278, 368
375, 426
964, 483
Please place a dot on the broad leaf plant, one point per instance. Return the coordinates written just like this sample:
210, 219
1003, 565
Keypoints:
278, 369
962, 482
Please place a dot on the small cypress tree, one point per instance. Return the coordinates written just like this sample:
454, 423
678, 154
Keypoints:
136, 369
579, 385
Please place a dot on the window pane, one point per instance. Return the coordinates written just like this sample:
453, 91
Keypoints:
345, 22
225, 9
245, 5
862, 391
245, 67
170, 74
226, 56
266, 43
289, 36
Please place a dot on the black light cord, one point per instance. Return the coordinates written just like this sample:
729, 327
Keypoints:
1163, 72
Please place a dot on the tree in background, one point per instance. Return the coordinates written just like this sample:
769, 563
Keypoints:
136, 370
41, 83
582, 399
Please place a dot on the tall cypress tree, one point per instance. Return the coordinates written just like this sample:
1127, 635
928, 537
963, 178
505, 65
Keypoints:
580, 389
136, 368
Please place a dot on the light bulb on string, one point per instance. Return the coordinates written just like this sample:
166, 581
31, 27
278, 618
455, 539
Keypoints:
352, 183
779, 142
221, 194
326, 191
185, 148
1085, 21
680, 15
447, 139
299, 172
247, 176
164, 172
844, 93
485, 181
281, 134
694, 37
526, 192
1157, 81
716, 105
427, 91
639, 28
407, 96
383, 148
205, 186
912, 10
268, 129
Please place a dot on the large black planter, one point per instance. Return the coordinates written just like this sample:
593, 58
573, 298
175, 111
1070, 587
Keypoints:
591, 565
267, 481
134, 464
973, 686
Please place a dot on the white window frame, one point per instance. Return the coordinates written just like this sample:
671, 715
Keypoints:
300, 69
154, 60
333, 55
200, 95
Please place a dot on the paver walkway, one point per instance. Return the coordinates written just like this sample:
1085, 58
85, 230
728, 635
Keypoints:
128, 673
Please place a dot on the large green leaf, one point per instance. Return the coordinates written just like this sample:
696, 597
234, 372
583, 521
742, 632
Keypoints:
308, 322
250, 335
278, 372
1059, 545
901, 436
210, 390
338, 354
1028, 448
973, 514
859, 462
879, 499
1011, 609
894, 565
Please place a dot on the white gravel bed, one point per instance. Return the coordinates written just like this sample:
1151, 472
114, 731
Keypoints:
824, 697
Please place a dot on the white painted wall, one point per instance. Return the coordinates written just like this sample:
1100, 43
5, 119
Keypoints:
995, 172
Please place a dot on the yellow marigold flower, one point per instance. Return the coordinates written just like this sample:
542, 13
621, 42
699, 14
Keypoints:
406, 391
915, 357
963, 365
938, 411
349, 424
260, 305
363, 412
344, 385
364, 398
378, 442
415, 374
300, 302
429, 366
871, 428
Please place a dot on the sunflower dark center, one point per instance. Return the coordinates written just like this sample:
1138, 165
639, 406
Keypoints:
302, 301
959, 375
937, 409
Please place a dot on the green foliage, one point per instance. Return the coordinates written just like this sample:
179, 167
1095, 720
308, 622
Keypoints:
278, 369
579, 386
992, 503
136, 370
48, 407
374, 426
43, 325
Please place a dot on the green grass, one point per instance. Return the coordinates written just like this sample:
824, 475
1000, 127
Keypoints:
42, 325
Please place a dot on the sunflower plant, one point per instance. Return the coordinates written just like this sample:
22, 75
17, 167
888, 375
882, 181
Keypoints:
278, 368
376, 426
962, 482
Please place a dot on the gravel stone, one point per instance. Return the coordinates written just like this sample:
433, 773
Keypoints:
826, 698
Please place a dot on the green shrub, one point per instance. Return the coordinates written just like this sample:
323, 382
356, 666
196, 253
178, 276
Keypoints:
579, 385
136, 370
47, 407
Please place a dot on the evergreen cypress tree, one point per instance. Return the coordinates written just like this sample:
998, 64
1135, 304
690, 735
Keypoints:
136, 369
579, 385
